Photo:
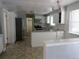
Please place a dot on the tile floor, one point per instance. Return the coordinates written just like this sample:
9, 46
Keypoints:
22, 50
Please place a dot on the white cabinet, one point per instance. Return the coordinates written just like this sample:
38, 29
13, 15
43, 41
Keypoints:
1, 43
39, 37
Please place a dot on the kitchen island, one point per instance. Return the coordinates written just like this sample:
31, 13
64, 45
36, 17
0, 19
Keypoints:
61, 49
39, 37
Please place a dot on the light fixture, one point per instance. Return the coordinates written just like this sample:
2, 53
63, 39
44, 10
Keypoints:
59, 8
58, 3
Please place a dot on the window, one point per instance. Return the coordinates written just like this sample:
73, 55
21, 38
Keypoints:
50, 20
62, 15
74, 22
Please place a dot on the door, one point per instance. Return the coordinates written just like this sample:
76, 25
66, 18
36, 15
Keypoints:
29, 25
18, 29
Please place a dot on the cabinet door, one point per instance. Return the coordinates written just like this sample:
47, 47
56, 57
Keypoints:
1, 44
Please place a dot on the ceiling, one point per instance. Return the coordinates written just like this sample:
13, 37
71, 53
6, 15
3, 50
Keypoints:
37, 6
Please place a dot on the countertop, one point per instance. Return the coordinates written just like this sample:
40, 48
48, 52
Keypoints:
47, 31
61, 42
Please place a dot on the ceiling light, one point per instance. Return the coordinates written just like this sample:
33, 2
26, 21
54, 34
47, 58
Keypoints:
58, 3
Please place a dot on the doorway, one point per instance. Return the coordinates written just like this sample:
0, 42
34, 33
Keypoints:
29, 25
